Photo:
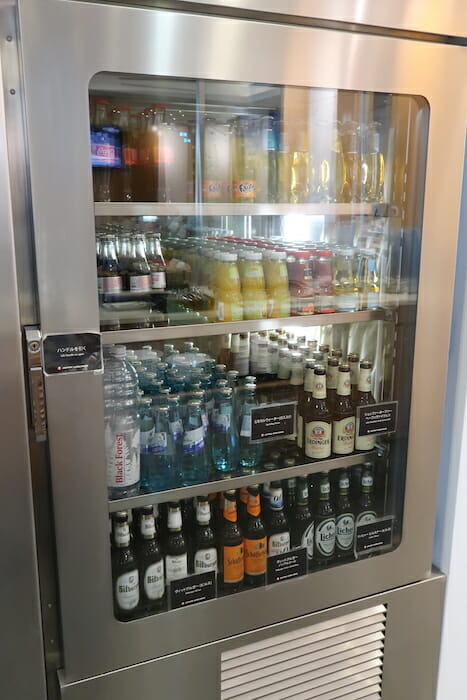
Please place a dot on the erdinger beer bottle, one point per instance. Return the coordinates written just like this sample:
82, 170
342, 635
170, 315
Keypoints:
325, 524
331, 380
151, 563
343, 427
231, 547
305, 400
364, 398
125, 576
205, 558
318, 420
301, 521
352, 359
345, 519
254, 541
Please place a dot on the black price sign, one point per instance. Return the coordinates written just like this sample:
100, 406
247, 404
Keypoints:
377, 418
374, 535
273, 421
283, 567
72, 352
192, 589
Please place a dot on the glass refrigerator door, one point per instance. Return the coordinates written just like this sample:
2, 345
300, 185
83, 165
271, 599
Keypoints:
257, 254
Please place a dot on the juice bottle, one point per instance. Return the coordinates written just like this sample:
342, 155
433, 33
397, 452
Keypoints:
216, 165
253, 286
245, 157
228, 297
277, 284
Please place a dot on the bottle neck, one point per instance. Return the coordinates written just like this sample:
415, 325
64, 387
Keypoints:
309, 379
354, 372
343, 384
122, 535
332, 375
148, 527
174, 520
253, 506
230, 510
302, 495
324, 491
319, 389
344, 486
276, 499
203, 513
364, 382
367, 484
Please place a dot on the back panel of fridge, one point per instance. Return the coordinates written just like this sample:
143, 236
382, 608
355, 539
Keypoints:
239, 229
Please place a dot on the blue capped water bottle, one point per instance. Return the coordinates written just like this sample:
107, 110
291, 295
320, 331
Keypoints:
162, 470
224, 436
250, 453
195, 469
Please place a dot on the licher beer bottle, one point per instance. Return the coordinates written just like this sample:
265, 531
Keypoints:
205, 558
254, 541
301, 521
343, 428
125, 575
318, 420
345, 519
364, 398
231, 559
366, 509
325, 524
151, 563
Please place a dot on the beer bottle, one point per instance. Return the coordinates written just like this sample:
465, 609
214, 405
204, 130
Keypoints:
109, 276
151, 563
325, 524
289, 487
205, 543
242, 506
352, 360
176, 559
231, 547
345, 519
318, 420
254, 541
277, 526
301, 522
305, 400
125, 577
139, 272
364, 398
366, 510
337, 352
325, 350
343, 428
331, 381
187, 509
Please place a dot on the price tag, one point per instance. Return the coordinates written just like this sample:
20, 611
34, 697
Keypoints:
273, 421
283, 567
377, 418
375, 535
192, 589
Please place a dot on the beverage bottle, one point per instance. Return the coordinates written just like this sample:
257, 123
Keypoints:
229, 301
325, 302
289, 487
139, 272
277, 529
249, 452
365, 510
345, 287
176, 430
352, 147
325, 524
267, 171
324, 350
109, 278
295, 388
187, 508
224, 435
162, 473
343, 426
284, 162
318, 419
151, 564
364, 398
205, 558
121, 182
301, 520
231, 556
223, 356
253, 286
245, 160
353, 362
146, 441
328, 161
305, 400
300, 272
277, 284
368, 280
374, 157
337, 352
156, 261
241, 359
173, 161
299, 171
345, 519
105, 150
216, 162
233, 382
254, 541
195, 466
125, 577
145, 173
176, 557
273, 352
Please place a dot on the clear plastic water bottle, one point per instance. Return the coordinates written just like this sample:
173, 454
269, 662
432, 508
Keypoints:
250, 453
224, 437
195, 469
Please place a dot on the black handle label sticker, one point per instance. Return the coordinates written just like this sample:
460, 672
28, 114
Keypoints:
377, 418
72, 352
192, 589
283, 567
375, 535
273, 421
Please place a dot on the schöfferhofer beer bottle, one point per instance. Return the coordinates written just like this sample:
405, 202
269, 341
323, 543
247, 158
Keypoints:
254, 541
231, 547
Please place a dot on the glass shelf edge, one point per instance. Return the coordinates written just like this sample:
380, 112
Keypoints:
243, 209
238, 482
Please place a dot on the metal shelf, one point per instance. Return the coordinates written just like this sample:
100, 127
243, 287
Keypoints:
243, 209
197, 330
236, 482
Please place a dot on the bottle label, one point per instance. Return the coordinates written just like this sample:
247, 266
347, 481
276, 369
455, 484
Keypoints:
367, 480
203, 512
276, 499
245, 430
122, 534
253, 504
325, 304
347, 302
174, 520
130, 156
122, 453
255, 556
363, 442
193, 441
148, 526
175, 566
158, 280
213, 189
110, 284
308, 538
222, 422
244, 189
176, 428
205, 560
233, 563
127, 590
300, 431
345, 531
159, 444
366, 518
318, 439
254, 308
278, 543
140, 283
153, 581
364, 381
372, 300
343, 436
146, 439
230, 511
325, 537
319, 388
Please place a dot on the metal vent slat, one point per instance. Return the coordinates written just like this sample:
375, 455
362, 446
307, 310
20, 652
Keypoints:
339, 659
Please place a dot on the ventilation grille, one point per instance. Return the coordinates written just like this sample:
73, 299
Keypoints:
341, 659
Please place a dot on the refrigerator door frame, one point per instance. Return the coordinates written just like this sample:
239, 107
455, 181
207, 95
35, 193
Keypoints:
68, 42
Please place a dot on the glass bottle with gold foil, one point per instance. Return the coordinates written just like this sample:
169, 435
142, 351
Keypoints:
231, 557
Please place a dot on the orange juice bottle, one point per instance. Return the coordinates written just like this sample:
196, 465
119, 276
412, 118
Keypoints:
253, 286
277, 284
229, 301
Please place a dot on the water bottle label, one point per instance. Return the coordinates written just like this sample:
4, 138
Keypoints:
127, 590
176, 566
158, 280
122, 453
372, 300
308, 539
193, 441
205, 560
176, 428
345, 531
245, 430
154, 581
159, 445
140, 283
347, 302
146, 440
222, 422
325, 537
279, 543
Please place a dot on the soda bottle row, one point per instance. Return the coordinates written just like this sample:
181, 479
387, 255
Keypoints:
148, 154
179, 418
232, 534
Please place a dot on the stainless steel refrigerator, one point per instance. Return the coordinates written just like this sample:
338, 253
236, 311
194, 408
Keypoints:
219, 189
